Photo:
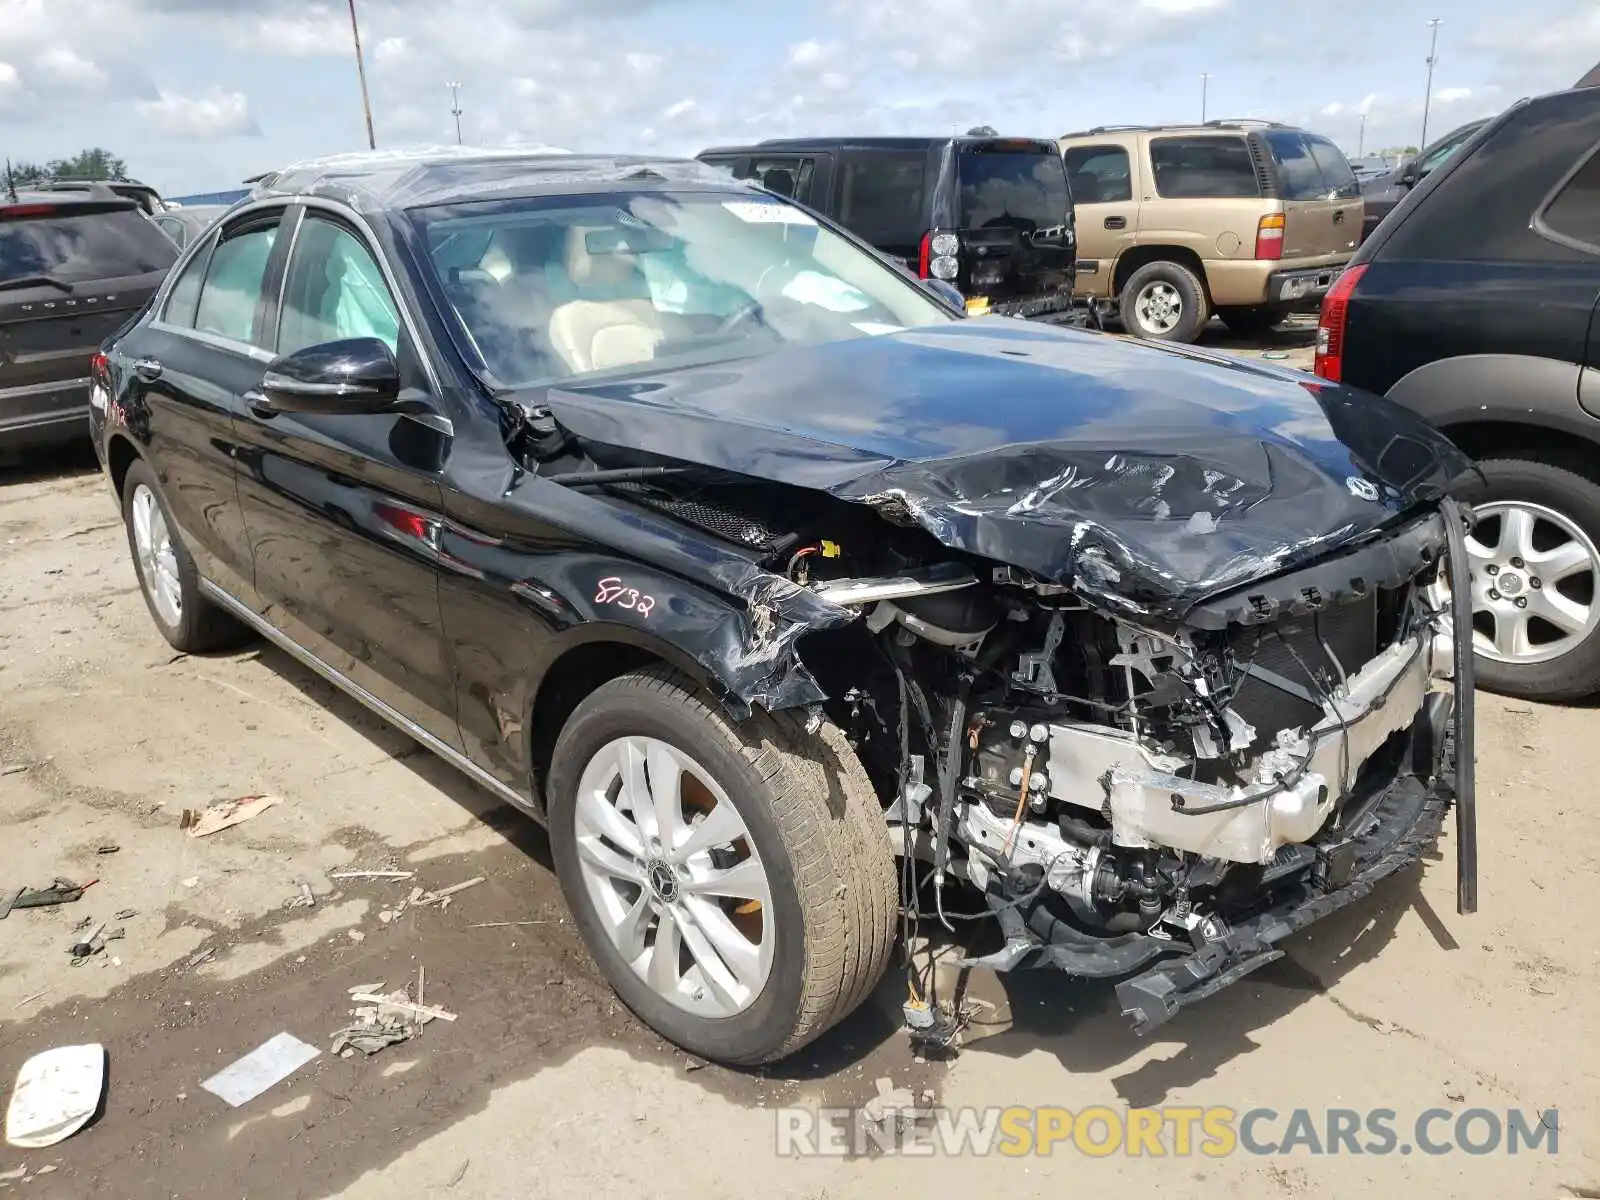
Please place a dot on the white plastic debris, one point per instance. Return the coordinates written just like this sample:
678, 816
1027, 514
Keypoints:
56, 1094
272, 1061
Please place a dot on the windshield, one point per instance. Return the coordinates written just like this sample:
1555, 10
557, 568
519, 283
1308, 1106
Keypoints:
1013, 189
551, 289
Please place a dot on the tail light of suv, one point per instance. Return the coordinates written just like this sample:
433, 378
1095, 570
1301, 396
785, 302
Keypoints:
1331, 325
1269, 237
936, 257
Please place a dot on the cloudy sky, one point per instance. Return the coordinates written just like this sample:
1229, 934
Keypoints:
198, 94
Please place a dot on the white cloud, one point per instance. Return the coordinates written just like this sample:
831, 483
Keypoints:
675, 111
1452, 95
805, 53
66, 65
391, 48
215, 114
318, 31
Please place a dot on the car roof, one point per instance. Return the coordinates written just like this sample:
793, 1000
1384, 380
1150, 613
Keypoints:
1226, 125
871, 143
96, 199
423, 177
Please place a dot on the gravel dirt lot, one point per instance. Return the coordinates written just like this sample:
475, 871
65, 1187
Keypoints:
544, 1084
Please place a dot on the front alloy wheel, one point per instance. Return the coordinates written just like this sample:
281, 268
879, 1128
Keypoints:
668, 865
732, 879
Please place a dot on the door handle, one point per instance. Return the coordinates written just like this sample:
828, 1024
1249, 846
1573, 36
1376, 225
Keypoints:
260, 405
148, 369
1338, 216
1116, 222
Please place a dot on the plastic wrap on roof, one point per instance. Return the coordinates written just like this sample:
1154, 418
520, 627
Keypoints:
432, 175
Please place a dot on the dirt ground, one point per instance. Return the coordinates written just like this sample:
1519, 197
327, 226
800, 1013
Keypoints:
544, 1083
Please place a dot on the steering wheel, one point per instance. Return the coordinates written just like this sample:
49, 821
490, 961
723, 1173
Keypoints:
750, 309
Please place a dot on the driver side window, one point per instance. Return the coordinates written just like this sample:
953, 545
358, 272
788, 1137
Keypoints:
334, 290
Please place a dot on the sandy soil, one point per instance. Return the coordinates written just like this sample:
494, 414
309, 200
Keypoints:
544, 1084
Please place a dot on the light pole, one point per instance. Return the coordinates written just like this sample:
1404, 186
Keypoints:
455, 108
1433, 46
361, 70
1361, 139
1205, 81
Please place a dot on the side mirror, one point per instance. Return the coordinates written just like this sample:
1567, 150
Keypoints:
358, 375
948, 292
1409, 175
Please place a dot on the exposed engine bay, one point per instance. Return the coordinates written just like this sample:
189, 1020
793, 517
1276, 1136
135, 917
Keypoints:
1118, 790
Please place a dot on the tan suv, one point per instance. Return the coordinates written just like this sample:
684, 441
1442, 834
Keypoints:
1245, 219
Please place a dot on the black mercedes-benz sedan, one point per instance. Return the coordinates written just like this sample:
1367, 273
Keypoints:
779, 588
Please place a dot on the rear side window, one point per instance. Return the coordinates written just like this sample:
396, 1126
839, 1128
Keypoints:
73, 248
185, 293
1202, 168
1016, 189
1484, 208
232, 290
1337, 176
1099, 174
1574, 213
786, 176
1298, 174
882, 196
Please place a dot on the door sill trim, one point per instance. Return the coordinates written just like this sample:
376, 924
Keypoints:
355, 691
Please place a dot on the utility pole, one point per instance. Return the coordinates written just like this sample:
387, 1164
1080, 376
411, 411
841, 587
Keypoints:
361, 70
1205, 81
455, 108
1427, 99
1361, 140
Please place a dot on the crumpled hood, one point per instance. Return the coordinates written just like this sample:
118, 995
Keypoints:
1147, 477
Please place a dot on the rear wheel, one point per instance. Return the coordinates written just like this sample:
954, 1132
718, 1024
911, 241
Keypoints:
167, 575
732, 881
1164, 301
1253, 320
1535, 559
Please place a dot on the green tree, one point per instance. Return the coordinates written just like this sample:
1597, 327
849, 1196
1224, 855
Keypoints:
26, 172
94, 163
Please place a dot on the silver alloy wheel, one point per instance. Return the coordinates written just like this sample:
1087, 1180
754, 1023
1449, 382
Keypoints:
1523, 588
158, 564
1159, 306
674, 877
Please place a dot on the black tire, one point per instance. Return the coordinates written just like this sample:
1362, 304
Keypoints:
1195, 308
1252, 321
818, 827
202, 626
1575, 675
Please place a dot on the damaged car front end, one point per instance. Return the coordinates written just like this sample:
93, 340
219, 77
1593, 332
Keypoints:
1165, 671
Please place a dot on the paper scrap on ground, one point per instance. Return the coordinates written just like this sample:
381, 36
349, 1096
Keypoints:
56, 1094
273, 1060
225, 813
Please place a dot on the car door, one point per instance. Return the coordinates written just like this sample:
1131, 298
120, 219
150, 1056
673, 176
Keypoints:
1322, 215
343, 509
188, 371
1101, 179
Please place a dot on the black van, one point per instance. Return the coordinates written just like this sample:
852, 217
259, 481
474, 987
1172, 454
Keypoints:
991, 215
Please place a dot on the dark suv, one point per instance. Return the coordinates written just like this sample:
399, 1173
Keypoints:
74, 266
1475, 305
990, 215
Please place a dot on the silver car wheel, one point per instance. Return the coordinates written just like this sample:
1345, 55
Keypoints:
1527, 562
673, 875
158, 564
1159, 307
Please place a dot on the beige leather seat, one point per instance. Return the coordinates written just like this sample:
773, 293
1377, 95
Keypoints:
600, 334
